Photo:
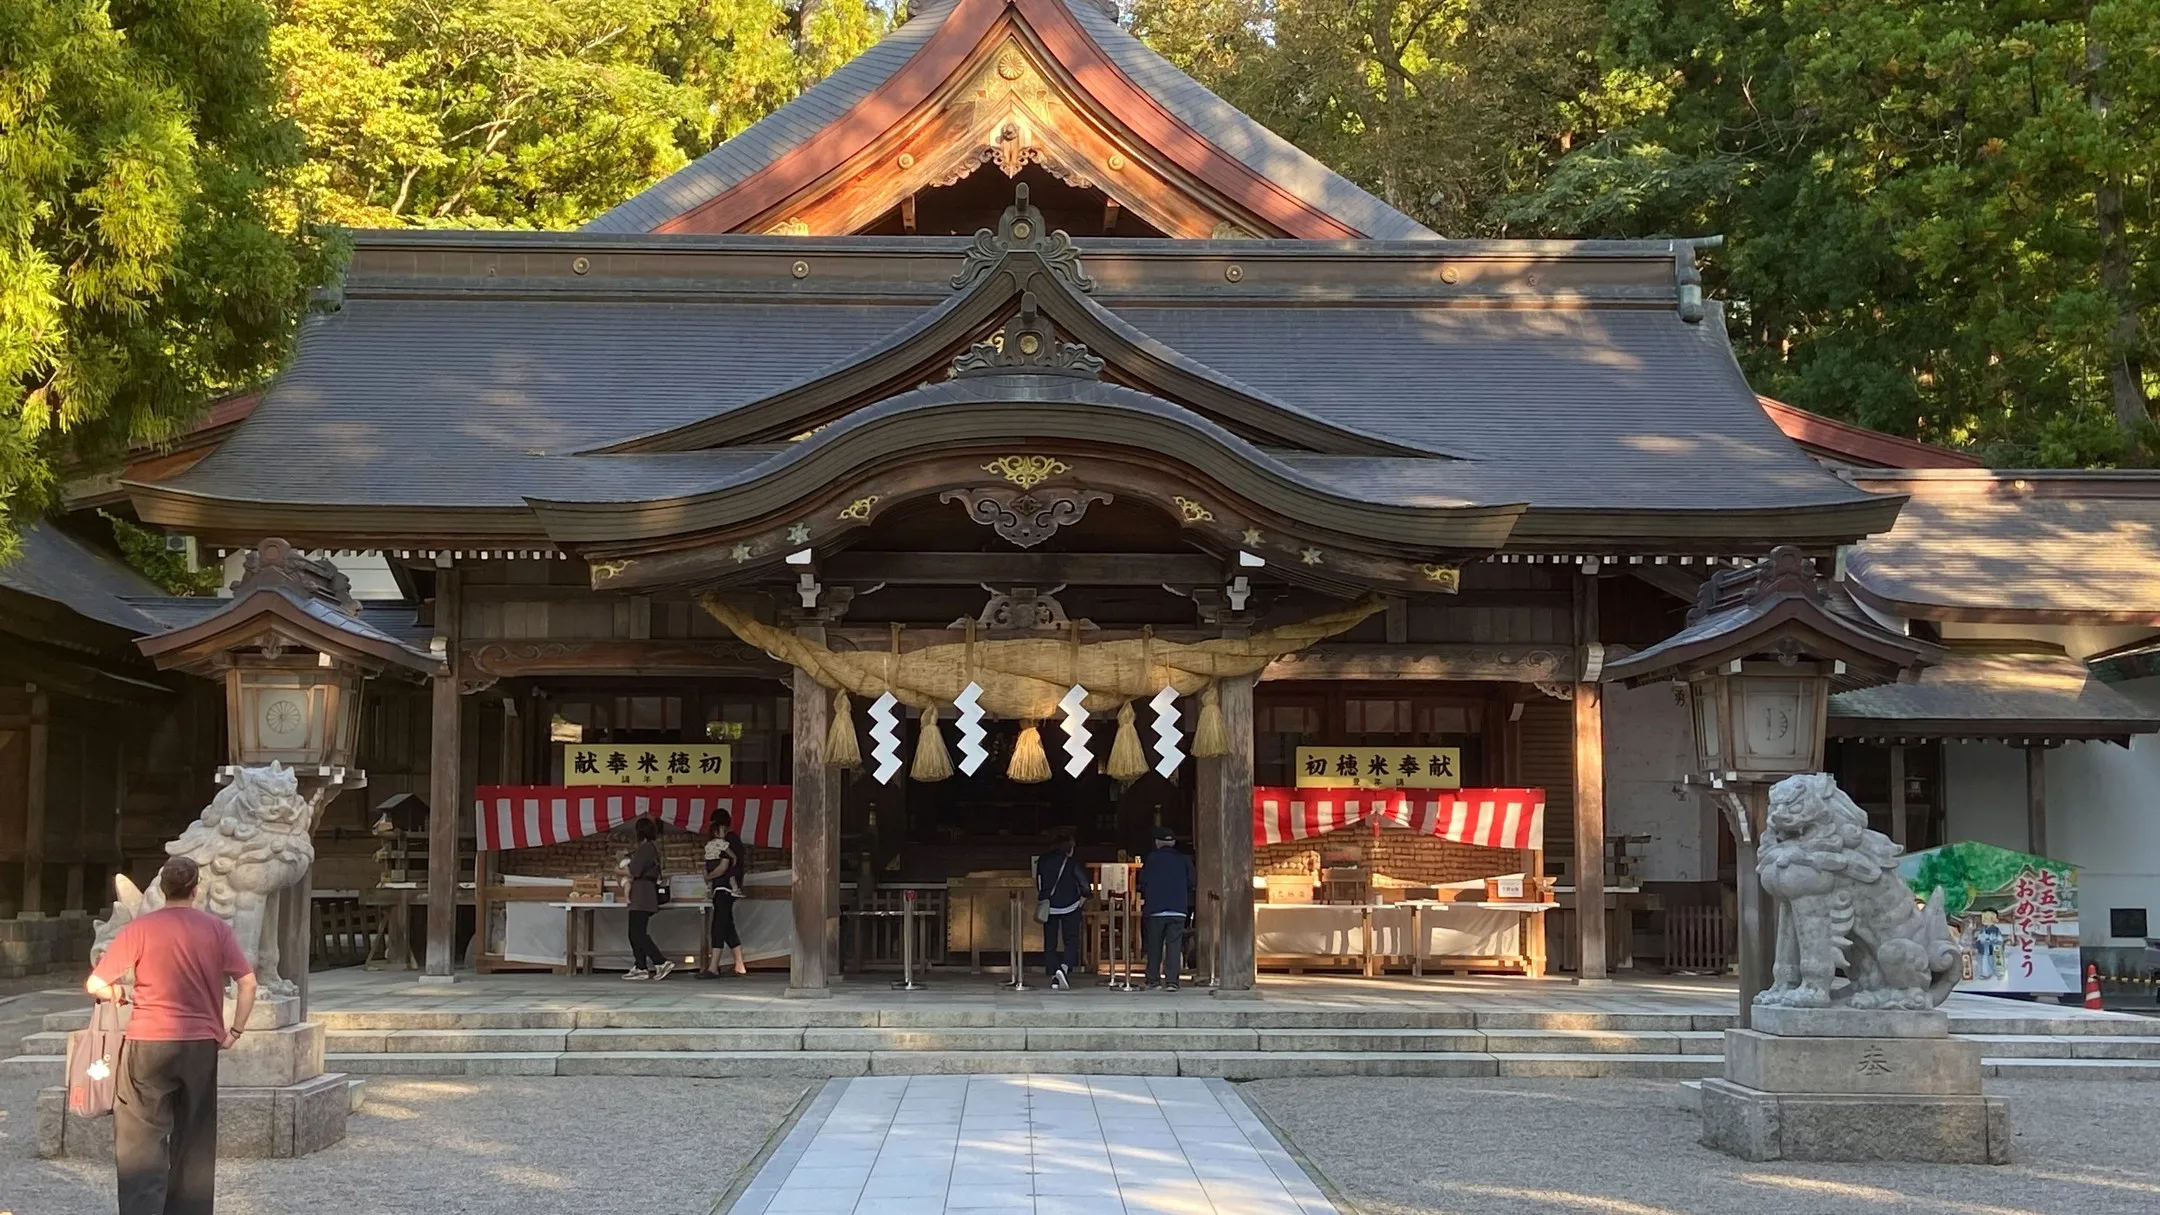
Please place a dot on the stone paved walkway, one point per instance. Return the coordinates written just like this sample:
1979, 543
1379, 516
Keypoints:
1050, 1145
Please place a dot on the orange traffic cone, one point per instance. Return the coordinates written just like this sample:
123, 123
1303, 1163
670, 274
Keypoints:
2092, 987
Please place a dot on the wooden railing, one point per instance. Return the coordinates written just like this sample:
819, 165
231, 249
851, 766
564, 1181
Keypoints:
345, 933
1698, 938
873, 925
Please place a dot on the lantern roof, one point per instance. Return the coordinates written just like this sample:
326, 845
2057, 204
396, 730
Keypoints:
1778, 609
286, 600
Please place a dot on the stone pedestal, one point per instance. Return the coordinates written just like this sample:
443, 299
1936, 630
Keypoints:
274, 1099
1828, 1084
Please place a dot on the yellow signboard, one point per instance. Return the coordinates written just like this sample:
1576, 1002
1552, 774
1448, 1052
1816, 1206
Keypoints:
1379, 767
647, 764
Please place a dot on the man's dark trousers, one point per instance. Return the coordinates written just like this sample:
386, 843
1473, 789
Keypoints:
1061, 942
1165, 948
165, 1127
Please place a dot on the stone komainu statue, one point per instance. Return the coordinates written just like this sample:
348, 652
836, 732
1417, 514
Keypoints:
1848, 931
254, 842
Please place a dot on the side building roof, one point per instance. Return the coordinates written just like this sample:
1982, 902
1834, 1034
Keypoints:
1999, 546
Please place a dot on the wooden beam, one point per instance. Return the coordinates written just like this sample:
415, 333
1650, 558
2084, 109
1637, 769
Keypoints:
2036, 839
1240, 964
1110, 211
33, 887
1589, 703
1488, 663
811, 857
907, 215
1041, 570
1898, 827
444, 753
522, 659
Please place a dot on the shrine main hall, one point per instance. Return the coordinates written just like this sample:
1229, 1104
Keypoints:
1007, 439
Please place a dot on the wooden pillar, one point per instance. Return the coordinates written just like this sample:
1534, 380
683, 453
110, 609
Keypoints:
1590, 831
811, 856
1898, 827
1208, 832
445, 752
2036, 841
1758, 915
1589, 703
1234, 782
33, 886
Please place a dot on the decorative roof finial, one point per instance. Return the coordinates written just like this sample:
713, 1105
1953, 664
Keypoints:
1022, 230
1027, 346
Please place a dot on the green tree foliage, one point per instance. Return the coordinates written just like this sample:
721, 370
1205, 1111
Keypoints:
536, 113
1940, 213
150, 250
145, 552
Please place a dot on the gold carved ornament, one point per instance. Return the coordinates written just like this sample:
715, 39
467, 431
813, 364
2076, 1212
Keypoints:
1191, 511
859, 508
1027, 472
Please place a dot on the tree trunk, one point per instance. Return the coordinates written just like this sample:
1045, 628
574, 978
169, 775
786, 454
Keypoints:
2126, 371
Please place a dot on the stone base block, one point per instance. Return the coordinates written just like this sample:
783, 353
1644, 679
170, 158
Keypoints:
293, 1120
1942, 1129
268, 1058
271, 1012
273, 1058
1850, 1022
1771, 1063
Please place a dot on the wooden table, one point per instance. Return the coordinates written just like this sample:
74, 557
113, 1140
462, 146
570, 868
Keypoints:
578, 947
398, 899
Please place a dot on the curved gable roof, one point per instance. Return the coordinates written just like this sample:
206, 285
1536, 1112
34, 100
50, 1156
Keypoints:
1176, 116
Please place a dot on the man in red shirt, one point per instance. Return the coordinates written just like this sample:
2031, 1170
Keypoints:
165, 1099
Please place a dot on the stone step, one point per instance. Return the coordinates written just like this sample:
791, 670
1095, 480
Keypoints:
2064, 1046
1602, 1042
1141, 1011
1228, 1064
2071, 1069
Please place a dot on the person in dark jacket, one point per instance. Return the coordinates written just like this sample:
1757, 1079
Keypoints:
1061, 882
1168, 885
645, 877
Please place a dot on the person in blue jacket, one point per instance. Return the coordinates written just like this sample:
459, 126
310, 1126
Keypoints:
1060, 892
1168, 884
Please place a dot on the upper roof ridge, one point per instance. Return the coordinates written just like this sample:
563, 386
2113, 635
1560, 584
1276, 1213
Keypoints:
1159, 109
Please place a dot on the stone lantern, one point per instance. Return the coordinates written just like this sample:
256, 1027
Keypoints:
1762, 650
293, 652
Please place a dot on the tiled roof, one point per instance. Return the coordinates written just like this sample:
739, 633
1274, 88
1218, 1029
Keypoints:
88, 581
2039, 695
478, 401
1988, 545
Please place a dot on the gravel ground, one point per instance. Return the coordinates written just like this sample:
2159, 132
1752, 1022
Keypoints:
1626, 1147
532, 1146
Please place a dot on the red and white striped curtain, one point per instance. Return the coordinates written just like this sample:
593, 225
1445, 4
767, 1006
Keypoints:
527, 816
1488, 818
